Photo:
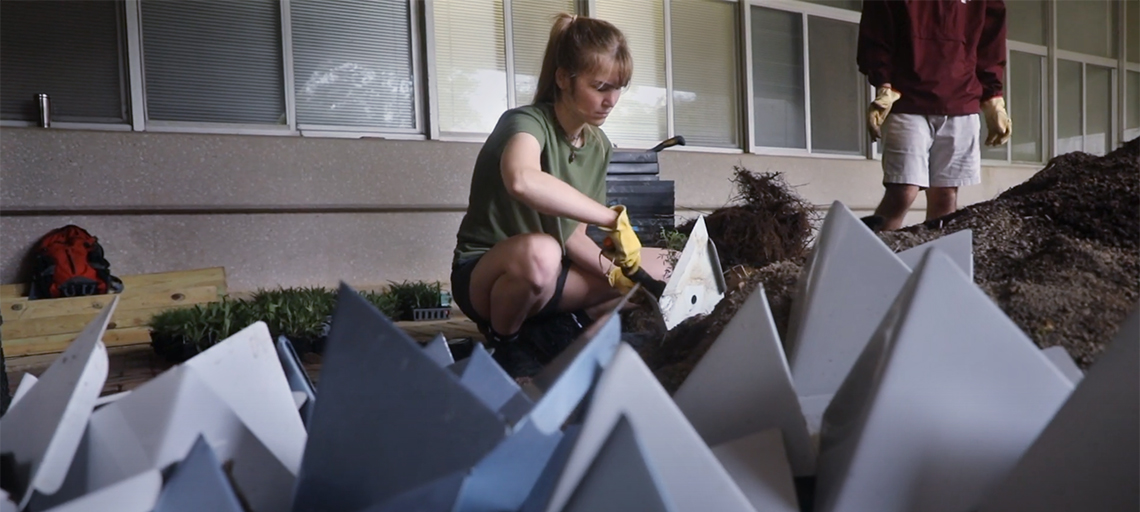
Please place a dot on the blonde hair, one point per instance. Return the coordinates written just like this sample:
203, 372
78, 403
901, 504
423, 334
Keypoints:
578, 44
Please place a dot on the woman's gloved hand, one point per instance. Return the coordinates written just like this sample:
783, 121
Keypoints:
621, 244
619, 281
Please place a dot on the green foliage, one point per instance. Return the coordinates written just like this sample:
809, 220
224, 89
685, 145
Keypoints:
674, 243
297, 313
414, 295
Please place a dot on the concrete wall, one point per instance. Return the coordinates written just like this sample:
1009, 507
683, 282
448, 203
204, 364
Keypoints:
292, 211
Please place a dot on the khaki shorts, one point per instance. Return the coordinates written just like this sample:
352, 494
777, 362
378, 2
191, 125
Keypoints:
932, 151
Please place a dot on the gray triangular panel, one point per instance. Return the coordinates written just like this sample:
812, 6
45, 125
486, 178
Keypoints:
1060, 359
198, 484
504, 479
487, 380
844, 289
689, 473
544, 487
959, 246
937, 409
438, 350
759, 466
743, 385
389, 419
619, 479
44, 428
136, 494
1088, 458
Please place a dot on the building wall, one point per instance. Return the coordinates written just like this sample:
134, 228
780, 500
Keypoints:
293, 211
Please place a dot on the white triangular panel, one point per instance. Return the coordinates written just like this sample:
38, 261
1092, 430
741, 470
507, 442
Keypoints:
743, 385
846, 286
43, 429
693, 478
940, 405
697, 283
1088, 458
959, 246
244, 371
136, 494
759, 466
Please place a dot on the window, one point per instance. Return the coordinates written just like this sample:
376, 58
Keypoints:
1026, 106
639, 119
1089, 27
531, 21
213, 61
706, 81
352, 62
472, 64
1070, 120
778, 79
838, 90
68, 50
835, 96
1132, 113
1098, 110
1025, 21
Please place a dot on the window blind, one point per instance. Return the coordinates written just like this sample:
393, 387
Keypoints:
68, 50
706, 90
352, 63
213, 61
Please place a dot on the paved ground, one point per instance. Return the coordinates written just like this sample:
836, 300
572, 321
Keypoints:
130, 367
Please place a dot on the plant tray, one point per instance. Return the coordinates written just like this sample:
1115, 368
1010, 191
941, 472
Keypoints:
431, 314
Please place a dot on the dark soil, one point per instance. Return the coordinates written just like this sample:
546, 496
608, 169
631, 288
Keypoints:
1059, 254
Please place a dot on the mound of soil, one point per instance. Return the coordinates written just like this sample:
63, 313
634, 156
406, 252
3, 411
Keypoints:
1059, 254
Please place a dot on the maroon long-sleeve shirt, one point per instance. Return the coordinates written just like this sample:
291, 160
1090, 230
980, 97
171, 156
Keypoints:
944, 56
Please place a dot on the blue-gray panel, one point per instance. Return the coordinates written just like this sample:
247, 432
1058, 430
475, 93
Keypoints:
389, 419
198, 484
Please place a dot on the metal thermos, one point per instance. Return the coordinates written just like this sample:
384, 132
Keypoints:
45, 109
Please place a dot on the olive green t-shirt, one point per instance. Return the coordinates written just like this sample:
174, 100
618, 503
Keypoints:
493, 215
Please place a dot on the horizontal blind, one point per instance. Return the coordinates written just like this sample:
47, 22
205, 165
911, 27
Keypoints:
639, 119
471, 63
213, 61
706, 91
68, 50
352, 62
531, 21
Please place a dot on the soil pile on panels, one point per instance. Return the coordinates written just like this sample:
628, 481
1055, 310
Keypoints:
1060, 254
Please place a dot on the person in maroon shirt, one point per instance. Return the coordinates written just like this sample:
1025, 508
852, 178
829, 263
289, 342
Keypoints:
934, 65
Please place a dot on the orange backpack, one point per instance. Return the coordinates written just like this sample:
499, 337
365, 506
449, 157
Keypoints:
70, 263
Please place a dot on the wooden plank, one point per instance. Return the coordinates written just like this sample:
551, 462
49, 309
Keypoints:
59, 342
214, 276
24, 309
46, 326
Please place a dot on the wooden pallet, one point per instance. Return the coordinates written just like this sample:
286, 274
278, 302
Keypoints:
47, 326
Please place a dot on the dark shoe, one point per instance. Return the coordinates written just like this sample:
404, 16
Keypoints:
517, 359
550, 335
874, 222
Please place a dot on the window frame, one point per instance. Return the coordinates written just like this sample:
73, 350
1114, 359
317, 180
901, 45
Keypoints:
804, 9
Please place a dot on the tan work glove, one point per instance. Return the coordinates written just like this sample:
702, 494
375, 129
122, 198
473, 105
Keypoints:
621, 244
997, 121
619, 281
878, 110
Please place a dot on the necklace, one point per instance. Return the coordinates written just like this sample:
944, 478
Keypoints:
573, 142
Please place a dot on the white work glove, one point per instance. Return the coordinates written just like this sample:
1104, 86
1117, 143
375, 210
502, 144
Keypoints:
997, 121
878, 110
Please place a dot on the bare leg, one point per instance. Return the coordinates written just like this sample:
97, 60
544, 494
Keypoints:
896, 201
941, 201
515, 279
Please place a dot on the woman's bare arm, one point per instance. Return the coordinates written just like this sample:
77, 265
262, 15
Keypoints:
522, 174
